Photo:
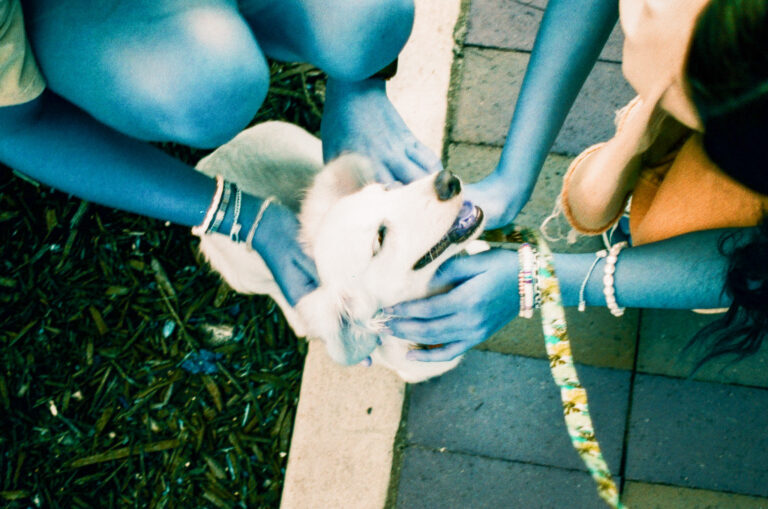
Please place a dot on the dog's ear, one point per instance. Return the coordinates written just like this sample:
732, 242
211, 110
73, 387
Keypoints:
341, 177
347, 340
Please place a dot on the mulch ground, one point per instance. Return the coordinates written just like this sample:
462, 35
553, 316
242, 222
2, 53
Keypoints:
130, 375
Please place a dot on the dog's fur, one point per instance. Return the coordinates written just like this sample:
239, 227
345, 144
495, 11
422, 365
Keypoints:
341, 212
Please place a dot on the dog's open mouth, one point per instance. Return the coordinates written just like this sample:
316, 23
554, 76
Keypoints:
467, 221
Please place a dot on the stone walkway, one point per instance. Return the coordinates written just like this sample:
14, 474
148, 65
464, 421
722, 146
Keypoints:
491, 433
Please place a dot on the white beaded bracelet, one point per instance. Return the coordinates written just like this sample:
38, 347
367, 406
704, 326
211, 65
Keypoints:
608, 280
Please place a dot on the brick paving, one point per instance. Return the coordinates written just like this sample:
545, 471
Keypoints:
490, 433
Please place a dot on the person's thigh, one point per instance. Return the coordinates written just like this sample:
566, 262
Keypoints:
180, 70
348, 39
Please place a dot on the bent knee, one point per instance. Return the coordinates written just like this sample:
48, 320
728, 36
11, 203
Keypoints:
195, 76
208, 109
372, 36
212, 89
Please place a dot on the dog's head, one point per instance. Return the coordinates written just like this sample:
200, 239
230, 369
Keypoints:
375, 246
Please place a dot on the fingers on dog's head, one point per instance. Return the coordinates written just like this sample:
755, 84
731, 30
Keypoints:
346, 339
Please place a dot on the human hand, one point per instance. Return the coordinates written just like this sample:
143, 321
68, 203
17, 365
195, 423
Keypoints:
275, 241
484, 296
499, 200
359, 118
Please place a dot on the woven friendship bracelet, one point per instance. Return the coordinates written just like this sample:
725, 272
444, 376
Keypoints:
572, 393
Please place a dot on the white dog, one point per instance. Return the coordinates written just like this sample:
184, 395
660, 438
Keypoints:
373, 247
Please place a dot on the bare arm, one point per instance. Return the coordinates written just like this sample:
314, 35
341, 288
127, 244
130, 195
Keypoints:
58, 144
683, 272
568, 43
680, 273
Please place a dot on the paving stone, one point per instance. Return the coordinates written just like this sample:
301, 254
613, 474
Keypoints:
433, 480
657, 496
512, 24
599, 339
699, 435
489, 86
508, 407
663, 337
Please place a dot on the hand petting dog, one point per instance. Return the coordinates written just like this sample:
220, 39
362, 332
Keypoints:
359, 118
481, 299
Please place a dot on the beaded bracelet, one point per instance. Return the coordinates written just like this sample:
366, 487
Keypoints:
200, 229
608, 280
537, 265
525, 280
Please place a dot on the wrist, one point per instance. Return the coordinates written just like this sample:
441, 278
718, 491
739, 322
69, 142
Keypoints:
499, 201
572, 270
243, 224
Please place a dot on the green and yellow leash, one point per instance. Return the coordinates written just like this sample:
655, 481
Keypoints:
572, 393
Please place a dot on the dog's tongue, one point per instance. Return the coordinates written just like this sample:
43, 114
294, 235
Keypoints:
462, 228
465, 220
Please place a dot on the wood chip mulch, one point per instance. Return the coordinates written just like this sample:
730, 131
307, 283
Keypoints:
130, 375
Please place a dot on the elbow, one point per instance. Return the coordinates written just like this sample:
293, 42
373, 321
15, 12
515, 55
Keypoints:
588, 214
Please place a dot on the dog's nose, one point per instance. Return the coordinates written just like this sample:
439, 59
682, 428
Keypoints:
447, 185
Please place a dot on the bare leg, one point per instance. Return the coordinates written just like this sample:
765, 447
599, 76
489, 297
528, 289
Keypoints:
350, 40
181, 70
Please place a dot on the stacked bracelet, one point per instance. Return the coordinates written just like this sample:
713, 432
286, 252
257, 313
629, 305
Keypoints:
217, 210
221, 210
202, 228
525, 280
608, 280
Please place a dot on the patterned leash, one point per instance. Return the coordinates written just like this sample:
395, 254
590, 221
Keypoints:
573, 395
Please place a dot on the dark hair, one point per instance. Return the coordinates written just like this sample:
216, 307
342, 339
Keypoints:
727, 71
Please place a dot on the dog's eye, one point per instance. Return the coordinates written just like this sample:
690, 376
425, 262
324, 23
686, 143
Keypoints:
379, 239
